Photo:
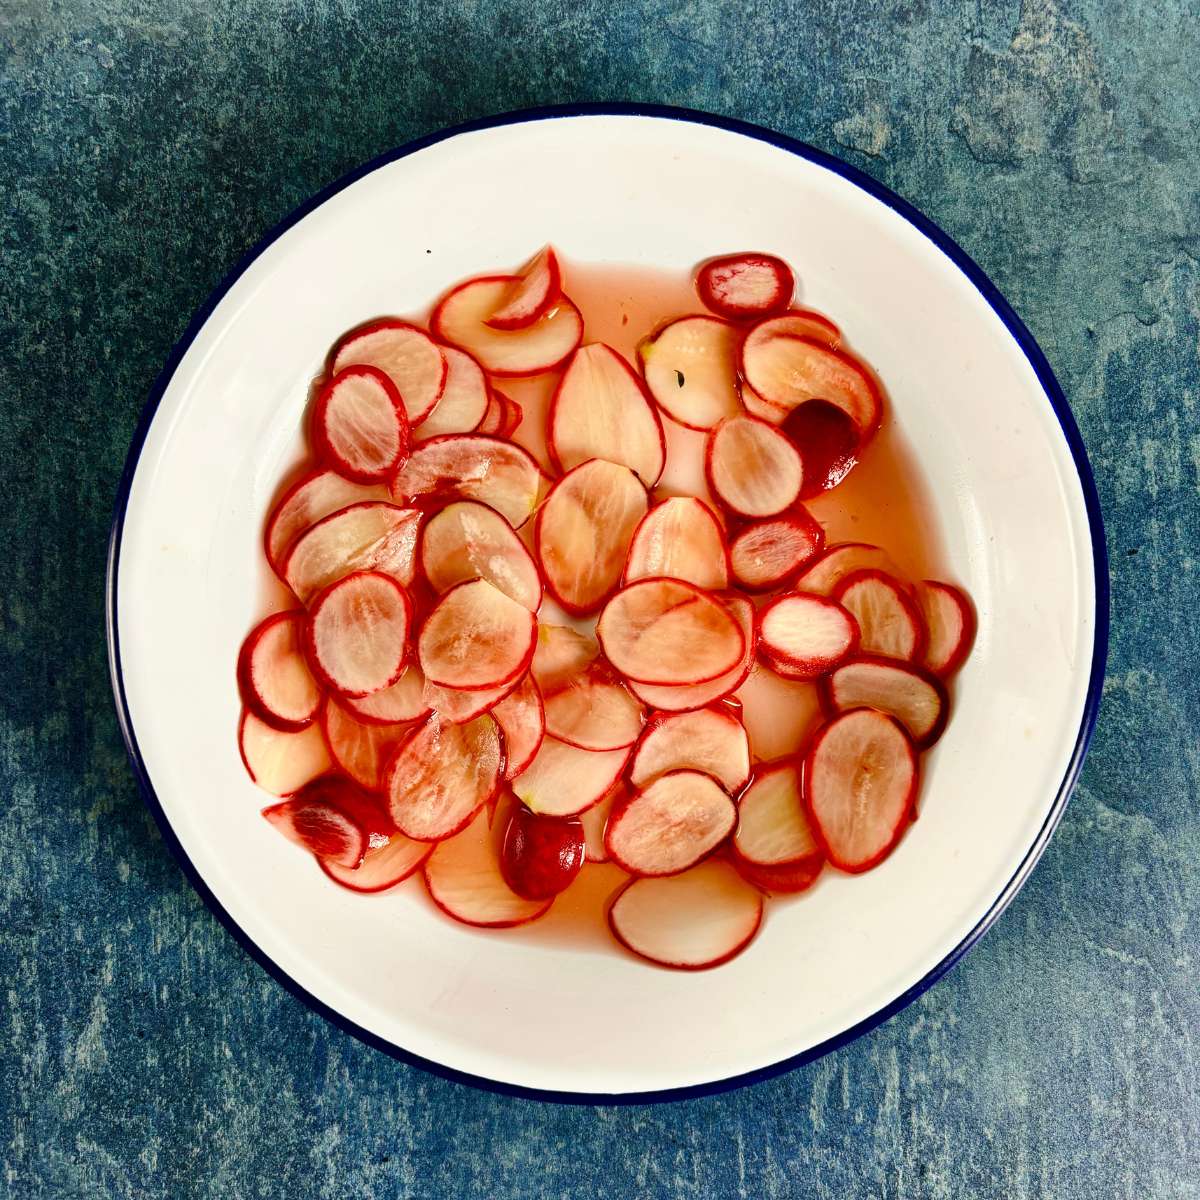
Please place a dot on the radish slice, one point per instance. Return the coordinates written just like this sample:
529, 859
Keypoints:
699, 919
744, 286
305, 503
470, 466
357, 636
359, 425
541, 856
563, 781
823, 576
562, 652
401, 702
711, 740
535, 288
787, 880
828, 441
690, 367
680, 538
455, 706
670, 824
768, 554
408, 356
668, 631
281, 762
950, 622
583, 532
764, 410
468, 540
514, 414
464, 398
799, 322
912, 695
595, 821
522, 720
382, 868
274, 679
601, 410
889, 622
441, 775
334, 820
752, 468
372, 536
860, 786
476, 638
805, 636
461, 318
773, 829
502, 417
594, 711
360, 750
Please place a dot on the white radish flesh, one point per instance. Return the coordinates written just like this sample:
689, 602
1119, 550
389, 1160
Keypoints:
807, 635
532, 292
910, 694
950, 623
561, 654
690, 367
464, 398
406, 354
767, 554
889, 622
743, 286
275, 681
773, 829
563, 780
522, 719
840, 560
307, 502
281, 762
680, 538
359, 749
360, 426
753, 469
382, 868
594, 711
402, 701
711, 740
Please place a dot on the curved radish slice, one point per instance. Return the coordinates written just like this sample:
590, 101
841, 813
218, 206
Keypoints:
468, 540
889, 622
799, 322
359, 749
333, 819
744, 286
595, 821
711, 740
281, 762
786, 880
541, 856
534, 289
471, 466
441, 775
476, 638
601, 410
860, 785
562, 652
668, 631
912, 695
514, 414
690, 367
455, 706
767, 554
464, 398
828, 442
359, 424
502, 417
522, 720
752, 468
773, 829
275, 681
583, 532
699, 919
357, 636
381, 868
839, 561
402, 702
408, 356
461, 318
805, 635
372, 536
950, 623
756, 406
305, 503
670, 824
680, 538
594, 711
563, 781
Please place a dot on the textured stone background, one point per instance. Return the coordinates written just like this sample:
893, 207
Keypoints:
144, 145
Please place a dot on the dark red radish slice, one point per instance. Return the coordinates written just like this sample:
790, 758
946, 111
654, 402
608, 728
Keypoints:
950, 623
699, 919
441, 775
372, 536
788, 880
541, 856
464, 398
860, 786
823, 575
583, 532
278, 761
561, 654
799, 322
408, 356
471, 466
357, 635
334, 820
455, 706
468, 540
889, 621
744, 286
535, 288
690, 367
711, 740
382, 868
305, 503
804, 636
594, 711
476, 638
359, 749
595, 821
563, 781
461, 318
401, 702
669, 632
752, 468
274, 679
359, 425
522, 720
914, 696
679, 538
601, 409
770, 553
773, 830
828, 441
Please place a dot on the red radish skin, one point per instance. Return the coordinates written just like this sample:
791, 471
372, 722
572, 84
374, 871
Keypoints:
805, 635
522, 720
407, 355
359, 426
307, 501
536, 287
950, 623
334, 820
712, 740
541, 856
889, 621
275, 682
595, 821
823, 575
828, 442
564, 781
911, 694
679, 538
752, 468
773, 829
787, 880
798, 322
360, 750
770, 553
279, 762
382, 867
690, 367
742, 287
594, 711
464, 398
402, 702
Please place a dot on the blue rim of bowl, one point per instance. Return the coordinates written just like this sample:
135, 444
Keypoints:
1054, 394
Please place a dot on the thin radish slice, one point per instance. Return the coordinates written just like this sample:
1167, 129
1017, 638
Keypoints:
799, 322
360, 427
461, 318
563, 781
281, 762
455, 706
382, 868
950, 623
690, 367
595, 821
773, 829
805, 636
502, 417
522, 720
535, 288
561, 654
888, 620
514, 414
860, 786
464, 398
305, 503
826, 572
601, 410
274, 679
711, 740
359, 749
828, 441
699, 919
669, 632
752, 468
680, 538
441, 775
402, 702
334, 820
594, 711
541, 856
786, 880
468, 540
756, 406
770, 553
583, 532
408, 356
744, 286
914, 696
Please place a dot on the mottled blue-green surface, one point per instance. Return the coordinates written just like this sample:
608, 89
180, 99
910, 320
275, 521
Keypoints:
144, 146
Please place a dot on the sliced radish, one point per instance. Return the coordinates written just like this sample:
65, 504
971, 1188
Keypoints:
280, 762
828, 441
305, 503
690, 367
464, 398
744, 286
534, 289
889, 621
563, 781
786, 880
909, 693
770, 553
805, 636
275, 681
799, 322
455, 706
359, 749
522, 719
541, 856
680, 538
502, 417
594, 711
711, 740
561, 653
401, 702
595, 821
461, 318
826, 572
860, 785
773, 829
950, 622
601, 410
583, 532
752, 468
756, 406
699, 919
468, 540
476, 638
360, 427
334, 820
382, 868
405, 354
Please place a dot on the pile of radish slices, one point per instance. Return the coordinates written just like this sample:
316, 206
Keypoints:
503, 664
